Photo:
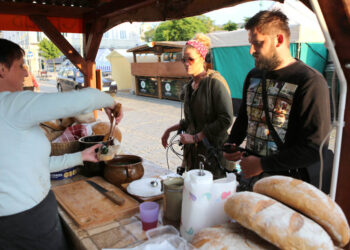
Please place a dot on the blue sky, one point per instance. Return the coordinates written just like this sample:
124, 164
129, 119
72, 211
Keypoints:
237, 13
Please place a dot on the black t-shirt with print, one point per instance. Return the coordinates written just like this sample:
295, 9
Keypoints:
298, 104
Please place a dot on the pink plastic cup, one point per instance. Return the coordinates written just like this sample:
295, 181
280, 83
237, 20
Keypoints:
149, 214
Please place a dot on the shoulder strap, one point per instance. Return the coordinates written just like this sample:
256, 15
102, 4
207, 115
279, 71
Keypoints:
272, 130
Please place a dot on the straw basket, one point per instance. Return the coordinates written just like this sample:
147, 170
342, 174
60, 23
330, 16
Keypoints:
64, 147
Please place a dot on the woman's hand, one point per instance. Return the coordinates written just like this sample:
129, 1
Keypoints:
187, 139
116, 112
89, 154
165, 138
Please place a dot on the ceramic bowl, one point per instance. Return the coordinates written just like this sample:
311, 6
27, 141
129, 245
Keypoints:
123, 169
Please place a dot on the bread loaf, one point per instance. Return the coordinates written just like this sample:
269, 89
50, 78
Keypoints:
54, 124
102, 128
229, 236
85, 118
277, 223
310, 201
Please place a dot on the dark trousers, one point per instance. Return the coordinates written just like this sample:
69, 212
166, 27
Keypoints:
38, 228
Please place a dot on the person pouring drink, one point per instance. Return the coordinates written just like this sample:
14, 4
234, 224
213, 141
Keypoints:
28, 208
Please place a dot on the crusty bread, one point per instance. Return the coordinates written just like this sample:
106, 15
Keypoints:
276, 223
102, 128
85, 118
54, 124
229, 236
310, 201
66, 122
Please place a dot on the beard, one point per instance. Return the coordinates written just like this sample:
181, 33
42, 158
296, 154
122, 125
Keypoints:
267, 63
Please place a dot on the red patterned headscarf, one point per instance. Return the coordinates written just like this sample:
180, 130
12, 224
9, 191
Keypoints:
202, 49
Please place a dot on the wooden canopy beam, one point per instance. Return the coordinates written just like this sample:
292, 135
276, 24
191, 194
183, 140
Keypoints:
58, 39
115, 8
92, 37
28, 9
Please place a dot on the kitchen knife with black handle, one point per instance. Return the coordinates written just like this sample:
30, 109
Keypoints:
109, 194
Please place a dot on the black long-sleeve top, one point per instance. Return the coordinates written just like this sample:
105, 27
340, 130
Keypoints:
299, 109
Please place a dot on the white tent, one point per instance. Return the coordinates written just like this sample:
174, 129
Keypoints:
303, 25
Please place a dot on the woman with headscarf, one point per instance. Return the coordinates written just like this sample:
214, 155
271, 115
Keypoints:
207, 108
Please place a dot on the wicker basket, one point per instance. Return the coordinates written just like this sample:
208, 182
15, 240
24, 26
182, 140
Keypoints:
64, 147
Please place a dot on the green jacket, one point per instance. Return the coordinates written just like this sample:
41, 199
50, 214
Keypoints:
207, 109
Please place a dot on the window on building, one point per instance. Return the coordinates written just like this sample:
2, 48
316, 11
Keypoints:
122, 34
38, 36
106, 35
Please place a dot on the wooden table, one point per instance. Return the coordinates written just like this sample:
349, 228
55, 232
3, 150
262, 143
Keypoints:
123, 233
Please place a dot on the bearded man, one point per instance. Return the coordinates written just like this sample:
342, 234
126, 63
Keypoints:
296, 98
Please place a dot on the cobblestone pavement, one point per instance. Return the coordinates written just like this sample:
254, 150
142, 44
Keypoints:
145, 120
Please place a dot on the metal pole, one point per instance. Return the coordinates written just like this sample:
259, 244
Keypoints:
342, 99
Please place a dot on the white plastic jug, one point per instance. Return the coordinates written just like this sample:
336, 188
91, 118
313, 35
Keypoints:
203, 201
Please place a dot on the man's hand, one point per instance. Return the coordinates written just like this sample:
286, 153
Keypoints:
236, 156
251, 166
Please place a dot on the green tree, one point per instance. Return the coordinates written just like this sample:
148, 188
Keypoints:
183, 29
48, 50
148, 36
246, 19
229, 26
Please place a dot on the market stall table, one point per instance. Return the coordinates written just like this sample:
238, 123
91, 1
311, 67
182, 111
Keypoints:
119, 233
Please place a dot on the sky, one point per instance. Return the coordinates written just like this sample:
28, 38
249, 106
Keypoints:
237, 13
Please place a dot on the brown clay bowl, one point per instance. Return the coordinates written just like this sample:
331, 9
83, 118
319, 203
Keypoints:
123, 169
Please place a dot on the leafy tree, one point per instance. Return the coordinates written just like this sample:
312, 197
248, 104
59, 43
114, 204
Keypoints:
229, 26
183, 29
48, 50
149, 35
246, 19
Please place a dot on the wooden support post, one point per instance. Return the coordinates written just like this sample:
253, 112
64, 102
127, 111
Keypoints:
99, 82
90, 77
159, 87
136, 85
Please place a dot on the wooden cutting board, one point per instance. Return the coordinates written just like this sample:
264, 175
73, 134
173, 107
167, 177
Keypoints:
90, 208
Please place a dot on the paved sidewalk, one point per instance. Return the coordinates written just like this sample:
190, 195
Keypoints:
145, 120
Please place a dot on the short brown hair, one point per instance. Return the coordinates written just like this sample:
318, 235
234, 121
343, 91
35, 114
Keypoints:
9, 52
269, 23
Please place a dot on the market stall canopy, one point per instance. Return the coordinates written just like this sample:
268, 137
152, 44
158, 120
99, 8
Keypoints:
98, 16
114, 12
